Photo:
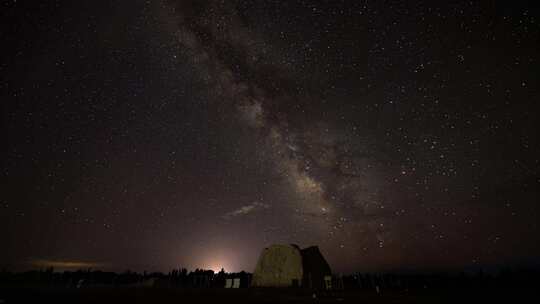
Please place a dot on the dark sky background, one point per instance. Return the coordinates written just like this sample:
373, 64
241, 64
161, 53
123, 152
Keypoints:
157, 134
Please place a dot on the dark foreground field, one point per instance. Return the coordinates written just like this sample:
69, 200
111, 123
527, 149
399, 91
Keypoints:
169, 295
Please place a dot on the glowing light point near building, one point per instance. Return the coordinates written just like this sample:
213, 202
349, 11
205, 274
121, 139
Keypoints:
216, 265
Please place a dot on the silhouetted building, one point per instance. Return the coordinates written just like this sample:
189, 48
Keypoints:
290, 266
317, 273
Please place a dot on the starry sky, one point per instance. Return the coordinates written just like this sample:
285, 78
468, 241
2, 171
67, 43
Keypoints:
156, 134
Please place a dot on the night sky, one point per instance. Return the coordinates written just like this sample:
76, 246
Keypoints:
156, 134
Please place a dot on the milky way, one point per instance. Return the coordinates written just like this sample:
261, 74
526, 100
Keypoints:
329, 180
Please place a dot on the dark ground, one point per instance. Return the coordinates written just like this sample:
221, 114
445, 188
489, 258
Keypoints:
169, 295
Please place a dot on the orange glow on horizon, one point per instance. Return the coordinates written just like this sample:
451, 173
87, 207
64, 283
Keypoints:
64, 264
